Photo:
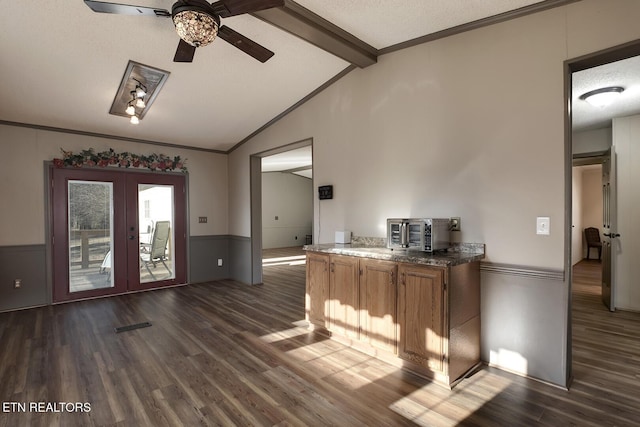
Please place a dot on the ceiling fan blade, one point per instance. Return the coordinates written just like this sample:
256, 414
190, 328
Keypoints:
245, 44
225, 8
125, 9
185, 52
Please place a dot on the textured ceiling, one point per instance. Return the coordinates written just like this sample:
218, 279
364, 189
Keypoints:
625, 73
65, 74
383, 23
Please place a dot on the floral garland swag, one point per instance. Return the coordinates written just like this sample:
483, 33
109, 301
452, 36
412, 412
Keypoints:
154, 162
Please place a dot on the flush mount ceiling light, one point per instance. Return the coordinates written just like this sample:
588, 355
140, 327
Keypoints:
603, 96
138, 89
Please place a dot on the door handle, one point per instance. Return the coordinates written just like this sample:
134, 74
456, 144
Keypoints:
611, 235
132, 237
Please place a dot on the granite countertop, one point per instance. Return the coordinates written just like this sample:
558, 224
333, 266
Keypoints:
458, 253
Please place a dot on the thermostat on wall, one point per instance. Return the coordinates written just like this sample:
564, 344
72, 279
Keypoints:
325, 192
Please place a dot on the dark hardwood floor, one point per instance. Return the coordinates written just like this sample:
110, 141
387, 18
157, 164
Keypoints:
224, 353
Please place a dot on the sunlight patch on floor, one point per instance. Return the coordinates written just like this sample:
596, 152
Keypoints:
459, 403
283, 335
285, 260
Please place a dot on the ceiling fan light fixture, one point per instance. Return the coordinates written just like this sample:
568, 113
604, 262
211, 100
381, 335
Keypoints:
602, 97
130, 109
198, 28
134, 120
140, 103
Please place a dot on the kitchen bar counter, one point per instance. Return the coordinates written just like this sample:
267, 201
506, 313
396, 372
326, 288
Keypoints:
459, 253
416, 310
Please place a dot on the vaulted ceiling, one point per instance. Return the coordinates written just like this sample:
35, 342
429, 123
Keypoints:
62, 63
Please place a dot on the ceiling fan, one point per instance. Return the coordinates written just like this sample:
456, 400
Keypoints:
197, 22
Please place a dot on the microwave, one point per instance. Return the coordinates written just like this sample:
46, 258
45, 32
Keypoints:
421, 234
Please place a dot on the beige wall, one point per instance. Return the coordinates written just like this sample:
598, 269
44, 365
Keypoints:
577, 252
472, 126
592, 198
591, 141
288, 197
23, 183
587, 207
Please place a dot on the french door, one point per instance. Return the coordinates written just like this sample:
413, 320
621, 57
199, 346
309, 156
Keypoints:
116, 232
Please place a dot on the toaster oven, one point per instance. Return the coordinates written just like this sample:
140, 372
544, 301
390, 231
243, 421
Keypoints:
422, 234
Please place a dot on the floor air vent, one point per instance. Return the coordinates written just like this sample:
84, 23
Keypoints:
132, 327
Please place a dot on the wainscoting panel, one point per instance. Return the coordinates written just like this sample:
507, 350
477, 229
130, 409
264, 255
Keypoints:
27, 263
204, 253
524, 321
240, 258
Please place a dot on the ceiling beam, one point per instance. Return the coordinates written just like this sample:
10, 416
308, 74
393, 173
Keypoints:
303, 23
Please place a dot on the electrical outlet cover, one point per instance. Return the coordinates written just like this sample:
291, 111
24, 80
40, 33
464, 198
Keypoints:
542, 225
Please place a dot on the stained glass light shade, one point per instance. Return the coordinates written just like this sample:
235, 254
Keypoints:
196, 28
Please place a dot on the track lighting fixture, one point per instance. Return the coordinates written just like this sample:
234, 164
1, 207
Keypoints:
131, 110
138, 89
141, 89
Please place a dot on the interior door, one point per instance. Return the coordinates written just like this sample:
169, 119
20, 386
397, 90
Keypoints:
608, 227
103, 228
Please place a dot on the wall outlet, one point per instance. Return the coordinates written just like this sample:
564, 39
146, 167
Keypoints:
17, 283
455, 223
542, 225
202, 219
219, 262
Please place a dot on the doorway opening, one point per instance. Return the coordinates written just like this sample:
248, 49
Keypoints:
277, 220
589, 140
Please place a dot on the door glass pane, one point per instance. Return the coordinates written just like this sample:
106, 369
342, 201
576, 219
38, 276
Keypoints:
90, 235
155, 219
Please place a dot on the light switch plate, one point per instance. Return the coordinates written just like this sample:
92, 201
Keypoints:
542, 225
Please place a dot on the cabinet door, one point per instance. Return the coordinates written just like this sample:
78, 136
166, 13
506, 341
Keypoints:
421, 303
343, 296
378, 320
317, 296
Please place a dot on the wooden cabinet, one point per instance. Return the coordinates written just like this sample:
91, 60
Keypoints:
317, 290
421, 315
439, 319
378, 326
424, 318
343, 296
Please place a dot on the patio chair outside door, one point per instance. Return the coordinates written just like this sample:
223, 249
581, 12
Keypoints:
156, 252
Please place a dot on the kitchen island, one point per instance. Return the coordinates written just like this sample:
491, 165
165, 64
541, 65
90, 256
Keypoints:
417, 310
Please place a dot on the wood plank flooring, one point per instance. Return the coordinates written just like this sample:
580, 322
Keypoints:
223, 353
